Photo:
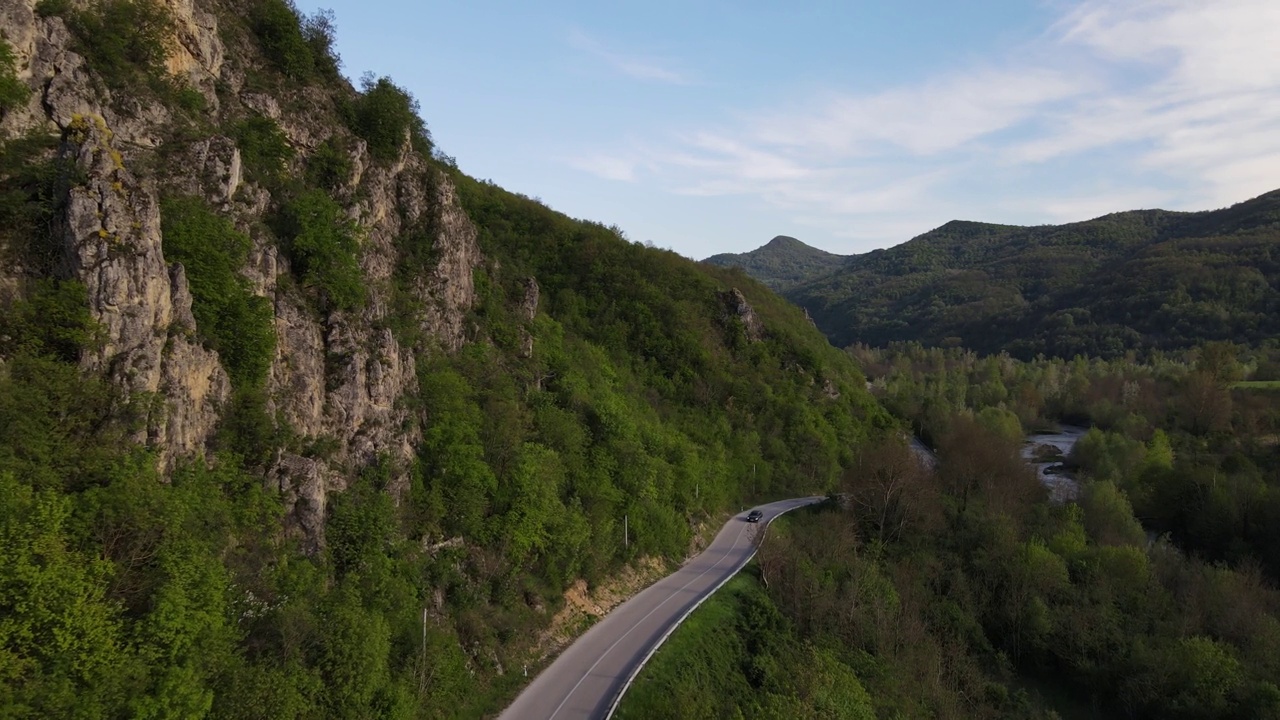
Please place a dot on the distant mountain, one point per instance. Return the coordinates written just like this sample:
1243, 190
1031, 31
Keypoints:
1140, 280
782, 262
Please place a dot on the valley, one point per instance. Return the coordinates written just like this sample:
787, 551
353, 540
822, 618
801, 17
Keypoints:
301, 419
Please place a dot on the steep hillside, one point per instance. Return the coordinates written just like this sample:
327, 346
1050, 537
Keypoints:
1138, 280
782, 262
298, 420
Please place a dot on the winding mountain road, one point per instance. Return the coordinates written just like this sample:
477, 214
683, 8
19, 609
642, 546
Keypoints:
593, 672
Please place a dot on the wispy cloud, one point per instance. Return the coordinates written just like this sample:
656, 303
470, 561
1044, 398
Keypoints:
637, 67
1121, 102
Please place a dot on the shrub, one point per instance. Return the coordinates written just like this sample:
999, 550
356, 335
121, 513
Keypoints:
264, 149
120, 39
322, 246
33, 181
53, 321
384, 114
230, 318
301, 48
329, 166
12, 92
279, 29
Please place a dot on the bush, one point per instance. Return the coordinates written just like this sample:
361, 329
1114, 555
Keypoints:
229, 317
12, 92
33, 182
264, 149
121, 39
52, 322
329, 166
301, 48
322, 246
384, 114
279, 29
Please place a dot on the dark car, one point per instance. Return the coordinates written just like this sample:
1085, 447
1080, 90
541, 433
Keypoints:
754, 516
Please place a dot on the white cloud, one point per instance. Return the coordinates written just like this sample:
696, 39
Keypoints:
609, 167
637, 67
1156, 101
940, 115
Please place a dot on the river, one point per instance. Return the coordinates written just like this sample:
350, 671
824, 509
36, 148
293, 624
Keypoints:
1046, 451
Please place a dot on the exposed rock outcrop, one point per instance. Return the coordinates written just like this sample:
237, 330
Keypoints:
738, 308
197, 54
113, 246
337, 379
528, 311
214, 170
449, 290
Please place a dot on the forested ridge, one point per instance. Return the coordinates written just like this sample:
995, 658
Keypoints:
299, 420
1141, 280
782, 262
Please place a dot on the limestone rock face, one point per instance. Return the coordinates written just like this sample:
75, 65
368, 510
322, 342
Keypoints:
61, 83
449, 290
738, 308
112, 244
215, 170
528, 311
338, 380
198, 52
529, 307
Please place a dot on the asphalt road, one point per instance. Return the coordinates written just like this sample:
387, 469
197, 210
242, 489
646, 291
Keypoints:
584, 681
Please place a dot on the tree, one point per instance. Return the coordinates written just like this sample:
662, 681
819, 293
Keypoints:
888, 490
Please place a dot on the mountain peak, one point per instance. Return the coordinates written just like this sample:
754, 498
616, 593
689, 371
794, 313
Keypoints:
781, 262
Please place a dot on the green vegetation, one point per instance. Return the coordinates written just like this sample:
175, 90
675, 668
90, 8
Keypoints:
33, 182
322, 245
264, 150
1143, 280
300, 47
12, 92
965, 592
1194, 455
234, 321
384, 115
52, 322
329, 166
738, 656
1256, 385
124, 41
782, 262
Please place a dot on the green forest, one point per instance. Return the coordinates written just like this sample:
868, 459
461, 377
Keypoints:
625, 389
1131, 281
967, 592
596, 382
782, 262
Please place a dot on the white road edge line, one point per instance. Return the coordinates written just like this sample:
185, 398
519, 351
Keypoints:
635, 625
617, 700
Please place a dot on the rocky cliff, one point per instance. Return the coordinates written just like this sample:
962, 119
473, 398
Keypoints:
337, 375
298, 420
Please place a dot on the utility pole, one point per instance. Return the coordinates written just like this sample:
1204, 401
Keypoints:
626, 534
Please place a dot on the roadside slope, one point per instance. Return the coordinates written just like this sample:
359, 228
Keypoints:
584, 681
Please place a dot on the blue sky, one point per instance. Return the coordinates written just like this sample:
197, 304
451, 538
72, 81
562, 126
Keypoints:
710, 126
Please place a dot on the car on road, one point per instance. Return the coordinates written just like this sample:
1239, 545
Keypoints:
754, 516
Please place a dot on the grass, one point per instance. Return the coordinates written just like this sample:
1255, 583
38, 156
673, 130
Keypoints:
1256, 385
705, 647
